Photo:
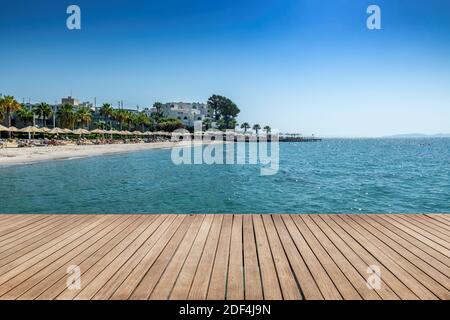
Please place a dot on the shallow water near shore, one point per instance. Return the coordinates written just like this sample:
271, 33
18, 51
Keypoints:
332, 176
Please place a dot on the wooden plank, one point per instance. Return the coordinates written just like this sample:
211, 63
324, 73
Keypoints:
437, 231
84, 260
235, 285
289, 287
150, 279
36, 273
200, 283
183, 283
403, 275
252, 275
303, 276
90, 266
432, 254
269, 277
28, 249
429, 277
439, 248
225, 256
410, 244
218, 282
164, 287
30, 236
141, 243
15, 267
434, 222
121, 254
439, 219
326, 286
19, 233
340, 281
420, 230
354, 276
358, 257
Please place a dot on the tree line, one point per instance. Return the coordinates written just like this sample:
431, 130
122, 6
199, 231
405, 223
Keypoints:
222, 112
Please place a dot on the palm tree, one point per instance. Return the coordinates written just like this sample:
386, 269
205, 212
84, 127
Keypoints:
84, 116
9, 105
107, 111
257, 127
66, 116
142, 120
158, 107
121, 116
245, 126
132, 120
267, 129
26, 115
44, 111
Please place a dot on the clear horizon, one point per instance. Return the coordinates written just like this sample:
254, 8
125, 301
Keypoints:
298, 66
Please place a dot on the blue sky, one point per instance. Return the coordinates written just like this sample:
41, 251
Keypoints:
303, 66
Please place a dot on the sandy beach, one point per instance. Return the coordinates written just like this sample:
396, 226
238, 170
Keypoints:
16, 156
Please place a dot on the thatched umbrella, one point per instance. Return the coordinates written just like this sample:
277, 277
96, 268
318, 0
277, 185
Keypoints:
30, 129
57, 131
98, 131
6, 129
80, 131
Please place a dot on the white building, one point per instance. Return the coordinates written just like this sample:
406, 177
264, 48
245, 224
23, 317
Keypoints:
188, 113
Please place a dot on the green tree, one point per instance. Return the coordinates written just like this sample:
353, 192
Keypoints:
100, 124
132, 120
245, 126
257, 127
43, 111
66, 116
106, 111
223, 109
8, 105
142, 120
121, 116
26, 115
170, 124
84, 116
267, 129
158, 107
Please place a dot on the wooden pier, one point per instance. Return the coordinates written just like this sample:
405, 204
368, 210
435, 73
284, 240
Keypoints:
225, 256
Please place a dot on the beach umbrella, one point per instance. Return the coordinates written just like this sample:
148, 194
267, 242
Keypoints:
2, 128
98, 131
57, 130
80, 131
128, 133
137, 133
12, 129
30, 129
45, 129
148, 133
67, 130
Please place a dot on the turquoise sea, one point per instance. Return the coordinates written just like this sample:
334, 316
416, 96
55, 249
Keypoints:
332, 176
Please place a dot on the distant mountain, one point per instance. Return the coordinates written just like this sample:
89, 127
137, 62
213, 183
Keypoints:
419, 135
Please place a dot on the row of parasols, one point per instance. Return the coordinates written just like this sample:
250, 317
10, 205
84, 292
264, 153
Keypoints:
33, 129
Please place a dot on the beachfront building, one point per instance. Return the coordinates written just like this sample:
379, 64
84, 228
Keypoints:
186, 112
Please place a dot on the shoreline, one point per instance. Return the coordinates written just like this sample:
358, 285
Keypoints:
33, 155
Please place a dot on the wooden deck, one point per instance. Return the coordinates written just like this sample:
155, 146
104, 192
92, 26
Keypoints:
225, 256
